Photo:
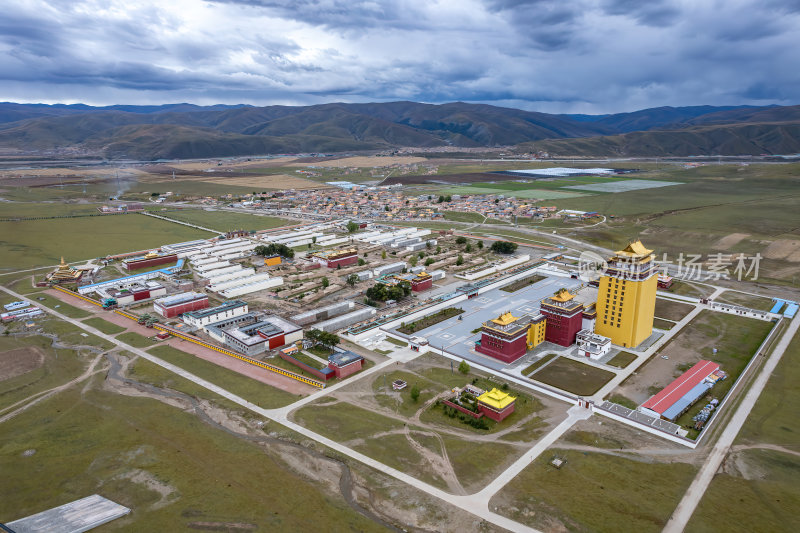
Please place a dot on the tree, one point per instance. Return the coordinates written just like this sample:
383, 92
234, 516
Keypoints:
480, 245
274, 249
468, 248
460, 260
352, 227
448, 199
325, 283
429, 261
361, 262
415, 393
413, 260
441, 199
428, 245
504, 247
463, 367
461, 240
438, 249
314, 240
352, 279
383, 254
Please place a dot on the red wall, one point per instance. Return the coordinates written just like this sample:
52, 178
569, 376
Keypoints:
560, 329
462, 409
422, 285
176, 310
494, 415
144, 263
508, 352
349, 260
347, 370
277, 341
300, 364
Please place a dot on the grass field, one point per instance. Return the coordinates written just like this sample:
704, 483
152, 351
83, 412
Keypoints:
59, 367
224, 220
136, 340
622, 359
104, 325
42, 242
765, 499
573, 376
176, 472
594, 492
764, 495
73, 335
745, 300
662, 324
259, 393
57, 305
672, 310
703, 215
541, 362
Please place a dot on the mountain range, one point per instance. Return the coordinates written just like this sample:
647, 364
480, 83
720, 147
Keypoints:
190, 131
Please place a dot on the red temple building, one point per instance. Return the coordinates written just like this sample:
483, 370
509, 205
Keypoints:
504, 338
564, 318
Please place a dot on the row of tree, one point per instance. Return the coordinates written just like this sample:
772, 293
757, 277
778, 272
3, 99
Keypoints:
329, 340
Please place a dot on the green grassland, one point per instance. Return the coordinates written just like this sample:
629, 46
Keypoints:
542, 194
766, 500
59, 367
223, 220
70, 334
594, 492
105, 326
136, 340
573, 376
745, 300
261, 394
63, 308
710, 205
31, 243
126, 448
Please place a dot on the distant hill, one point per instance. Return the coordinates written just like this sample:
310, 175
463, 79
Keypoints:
190, 131
729, 139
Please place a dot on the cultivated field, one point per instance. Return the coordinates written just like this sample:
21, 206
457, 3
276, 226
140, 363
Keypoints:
363, 162
271, 182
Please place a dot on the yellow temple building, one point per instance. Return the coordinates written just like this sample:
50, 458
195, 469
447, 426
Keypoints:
626, 298
64, 274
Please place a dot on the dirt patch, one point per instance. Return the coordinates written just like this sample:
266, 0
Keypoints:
729, 241
363, 162
786, 249
167, 493
17, 362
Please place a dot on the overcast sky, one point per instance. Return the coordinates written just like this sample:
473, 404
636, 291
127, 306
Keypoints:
576, 56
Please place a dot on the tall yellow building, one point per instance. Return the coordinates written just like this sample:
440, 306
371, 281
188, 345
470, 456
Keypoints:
626, 299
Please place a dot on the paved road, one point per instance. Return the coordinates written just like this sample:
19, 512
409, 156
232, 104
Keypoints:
695, 492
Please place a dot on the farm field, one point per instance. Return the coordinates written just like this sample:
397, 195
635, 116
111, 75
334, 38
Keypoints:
42, 242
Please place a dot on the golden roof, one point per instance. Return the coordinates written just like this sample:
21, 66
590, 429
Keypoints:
496, 398
563, 296
504, 319
635, 249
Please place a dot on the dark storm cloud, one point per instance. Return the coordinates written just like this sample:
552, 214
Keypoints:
552, 55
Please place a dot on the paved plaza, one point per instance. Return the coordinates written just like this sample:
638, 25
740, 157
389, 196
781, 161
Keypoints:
455, 336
